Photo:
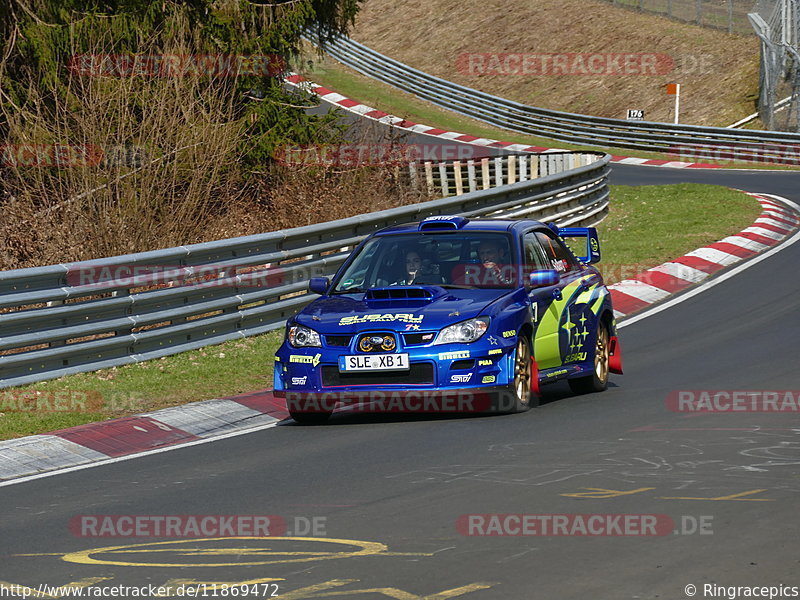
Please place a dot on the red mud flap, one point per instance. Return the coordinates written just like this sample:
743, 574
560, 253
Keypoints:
535, 388
615, 356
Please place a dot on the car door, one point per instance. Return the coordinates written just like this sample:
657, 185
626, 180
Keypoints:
560, 325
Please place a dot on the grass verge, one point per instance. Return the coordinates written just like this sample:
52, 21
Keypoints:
649, 225
646, 226
226, 369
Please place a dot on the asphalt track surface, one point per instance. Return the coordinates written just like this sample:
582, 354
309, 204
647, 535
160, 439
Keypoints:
396, 486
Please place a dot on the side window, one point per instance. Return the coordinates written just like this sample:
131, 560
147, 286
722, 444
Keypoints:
558, 256
535, 259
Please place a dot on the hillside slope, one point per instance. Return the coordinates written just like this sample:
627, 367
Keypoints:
458, 40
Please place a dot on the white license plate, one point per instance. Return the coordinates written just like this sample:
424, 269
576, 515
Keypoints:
374, 362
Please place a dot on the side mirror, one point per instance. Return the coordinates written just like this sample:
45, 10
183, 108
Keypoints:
318, 285
592, 242
540, 279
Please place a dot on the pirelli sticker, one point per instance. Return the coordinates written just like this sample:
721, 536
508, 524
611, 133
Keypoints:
305, 359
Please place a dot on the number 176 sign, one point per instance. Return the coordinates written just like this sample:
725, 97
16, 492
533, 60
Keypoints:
634, 114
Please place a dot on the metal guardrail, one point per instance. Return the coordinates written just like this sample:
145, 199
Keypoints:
78, 317
682, 141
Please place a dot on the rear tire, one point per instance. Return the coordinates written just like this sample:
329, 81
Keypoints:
310, 418
597, 381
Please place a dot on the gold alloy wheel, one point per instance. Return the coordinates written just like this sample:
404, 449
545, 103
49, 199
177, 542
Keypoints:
522, 371
601, 354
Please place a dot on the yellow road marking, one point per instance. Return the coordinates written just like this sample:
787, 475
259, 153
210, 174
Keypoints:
319, 591
734, 497
313, 589
604, 493
87, 557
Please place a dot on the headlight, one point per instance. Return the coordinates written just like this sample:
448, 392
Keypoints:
464, 332
303, 337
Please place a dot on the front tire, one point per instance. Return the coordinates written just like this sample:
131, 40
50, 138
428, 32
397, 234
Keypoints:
521, 386
597, 381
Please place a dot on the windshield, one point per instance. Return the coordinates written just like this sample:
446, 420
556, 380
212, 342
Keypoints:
463, 259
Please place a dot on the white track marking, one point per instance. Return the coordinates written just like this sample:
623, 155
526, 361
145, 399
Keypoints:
680, 271
639, 289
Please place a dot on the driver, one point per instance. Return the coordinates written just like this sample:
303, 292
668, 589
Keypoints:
496, 271
493, 269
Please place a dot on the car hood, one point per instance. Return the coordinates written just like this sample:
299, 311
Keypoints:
423, 308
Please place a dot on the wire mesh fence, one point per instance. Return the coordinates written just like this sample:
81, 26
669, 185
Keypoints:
777, 24
727, 15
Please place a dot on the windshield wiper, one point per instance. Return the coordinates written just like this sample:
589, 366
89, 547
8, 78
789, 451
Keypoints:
456, 286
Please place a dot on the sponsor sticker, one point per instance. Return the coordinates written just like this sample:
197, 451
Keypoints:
381, 318
453, 355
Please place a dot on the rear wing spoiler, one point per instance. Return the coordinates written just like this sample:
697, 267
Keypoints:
592, 241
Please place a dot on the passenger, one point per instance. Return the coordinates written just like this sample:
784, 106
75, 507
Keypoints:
418, 271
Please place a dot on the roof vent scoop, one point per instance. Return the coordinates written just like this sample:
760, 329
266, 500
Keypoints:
440, 222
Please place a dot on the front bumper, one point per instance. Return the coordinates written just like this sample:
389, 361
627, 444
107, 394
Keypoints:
431, 368
480, 400
440, 379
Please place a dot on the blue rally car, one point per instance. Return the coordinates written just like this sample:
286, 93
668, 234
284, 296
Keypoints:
451, 314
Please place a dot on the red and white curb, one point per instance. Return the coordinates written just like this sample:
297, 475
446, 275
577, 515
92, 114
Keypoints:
109, 441
775, 223
298, 81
